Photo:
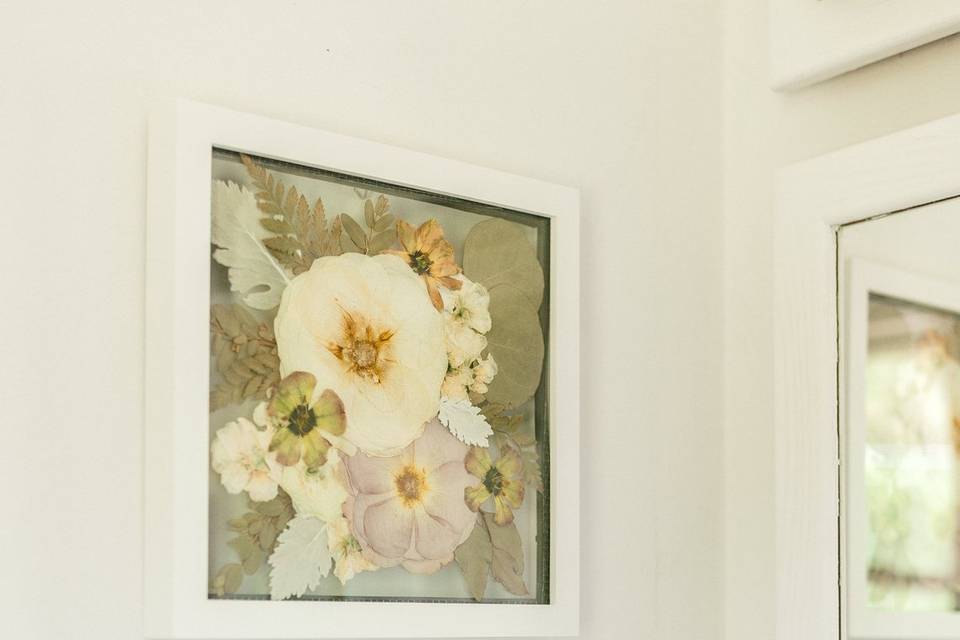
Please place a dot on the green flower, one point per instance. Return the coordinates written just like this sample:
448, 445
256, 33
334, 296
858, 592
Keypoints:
303, 419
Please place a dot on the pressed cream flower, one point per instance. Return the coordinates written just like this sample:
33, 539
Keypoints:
240, 455
365, 328
502, 480
347, 553
483, 373
456, 383
306, 420
317, 492
464, 345
409, 509
469, 304
430, 256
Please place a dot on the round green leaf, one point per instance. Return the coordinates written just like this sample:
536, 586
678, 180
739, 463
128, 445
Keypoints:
497, 253
516, 342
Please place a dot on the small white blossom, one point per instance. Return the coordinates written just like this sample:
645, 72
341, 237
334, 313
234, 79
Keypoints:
456, 383
483, 374
464, 345
346, 550
469, 305
240, 454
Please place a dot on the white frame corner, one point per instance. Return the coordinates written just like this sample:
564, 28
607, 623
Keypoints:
182, 136
904, 170
812, 40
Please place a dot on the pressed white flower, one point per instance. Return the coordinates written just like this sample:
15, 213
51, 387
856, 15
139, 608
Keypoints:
456, 383
346, 550
464, 345
483, 371
466, 318
468, 305
366, 329
240, 454
317, 492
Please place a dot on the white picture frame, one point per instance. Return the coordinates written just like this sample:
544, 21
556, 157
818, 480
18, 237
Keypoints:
864, 278
897, 172
182, 137
814, 40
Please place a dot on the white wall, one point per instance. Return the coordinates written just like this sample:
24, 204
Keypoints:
763, 131
619, 98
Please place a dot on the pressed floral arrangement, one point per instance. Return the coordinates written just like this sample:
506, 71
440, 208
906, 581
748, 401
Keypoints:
378, 404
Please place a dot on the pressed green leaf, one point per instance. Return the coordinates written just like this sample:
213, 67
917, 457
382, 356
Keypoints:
252, 563
354, 231
516, 342
497, 253
236, 232
474, 557
228, 579
532, 474
382, 241
368, 215
382, 206
243, 545
384, 223
273, 225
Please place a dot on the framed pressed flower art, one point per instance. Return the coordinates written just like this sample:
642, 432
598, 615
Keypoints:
362, 416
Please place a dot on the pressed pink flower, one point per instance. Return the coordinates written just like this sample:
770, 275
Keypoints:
409, 509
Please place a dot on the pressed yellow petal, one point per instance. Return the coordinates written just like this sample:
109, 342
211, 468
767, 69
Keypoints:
444, 268
296, 389
477, 462
450, 283
330, 413
428, 234
510, 464
407, 236
403, 255
475, 496
315, 448
511, 491
287, 446
503, 515
434, 293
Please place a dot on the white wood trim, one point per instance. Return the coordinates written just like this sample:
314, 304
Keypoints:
907, 169
860, 280
182, 135
812, 40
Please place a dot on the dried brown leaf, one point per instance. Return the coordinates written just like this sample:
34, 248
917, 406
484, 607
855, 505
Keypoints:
474, 557
507, 563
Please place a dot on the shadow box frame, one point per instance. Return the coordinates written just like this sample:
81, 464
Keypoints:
182, 137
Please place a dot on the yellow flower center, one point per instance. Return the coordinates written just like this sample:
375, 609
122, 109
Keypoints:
362, 349
411, 485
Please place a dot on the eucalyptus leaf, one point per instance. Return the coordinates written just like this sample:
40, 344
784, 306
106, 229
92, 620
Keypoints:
474, 557
497, 253
516, 342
